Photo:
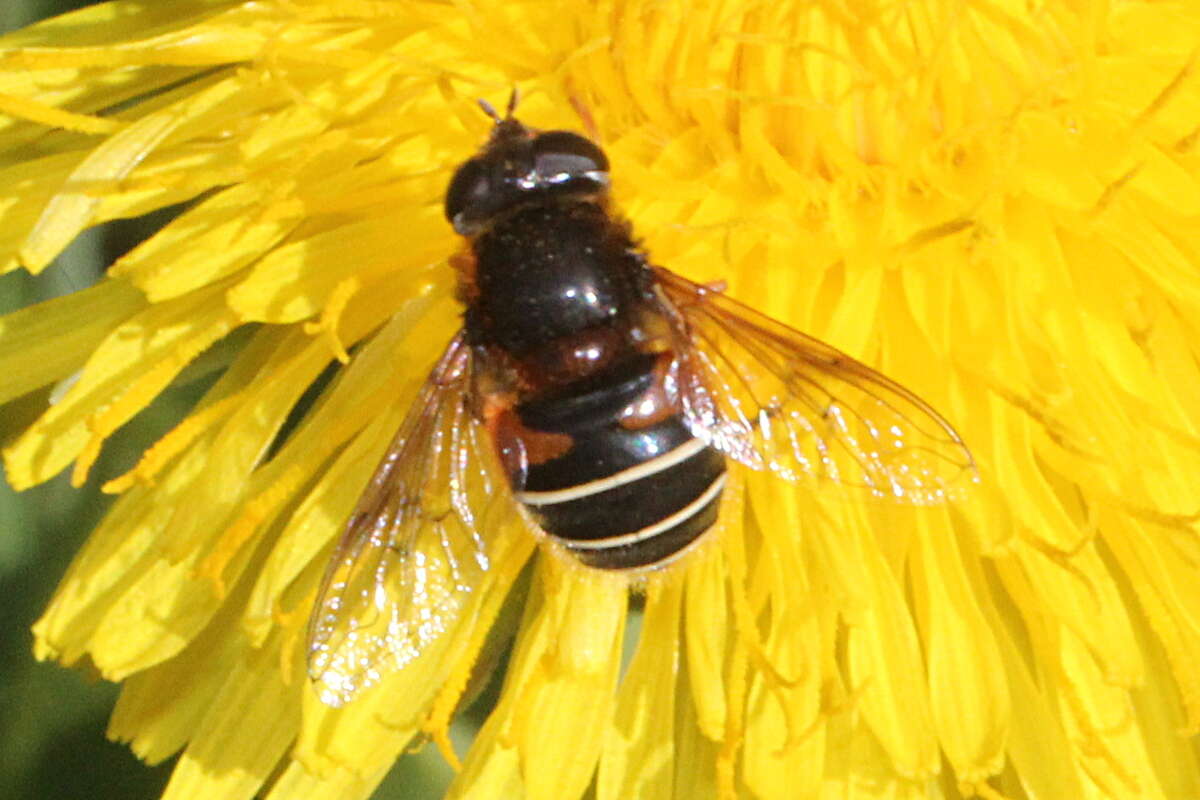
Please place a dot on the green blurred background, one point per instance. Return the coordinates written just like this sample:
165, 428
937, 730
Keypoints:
52, 720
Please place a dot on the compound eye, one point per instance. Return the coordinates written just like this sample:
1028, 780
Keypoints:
469, 190
560, 156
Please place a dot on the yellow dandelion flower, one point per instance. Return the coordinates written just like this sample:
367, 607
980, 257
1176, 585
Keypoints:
997, 204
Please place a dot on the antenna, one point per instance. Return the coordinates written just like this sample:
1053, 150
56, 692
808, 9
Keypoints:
490, 110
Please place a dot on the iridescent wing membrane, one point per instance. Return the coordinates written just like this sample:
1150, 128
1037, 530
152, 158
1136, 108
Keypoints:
773, 398
412, 552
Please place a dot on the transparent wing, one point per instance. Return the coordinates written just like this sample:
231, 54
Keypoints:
413, 551
773, 398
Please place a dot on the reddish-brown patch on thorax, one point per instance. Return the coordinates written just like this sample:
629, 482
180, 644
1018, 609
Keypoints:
570, 358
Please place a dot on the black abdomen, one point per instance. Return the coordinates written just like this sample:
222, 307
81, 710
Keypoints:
620, 498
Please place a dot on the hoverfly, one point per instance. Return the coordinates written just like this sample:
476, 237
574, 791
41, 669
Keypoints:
609, 393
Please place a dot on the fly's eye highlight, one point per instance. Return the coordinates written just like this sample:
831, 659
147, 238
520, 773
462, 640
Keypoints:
470, 188
561, 156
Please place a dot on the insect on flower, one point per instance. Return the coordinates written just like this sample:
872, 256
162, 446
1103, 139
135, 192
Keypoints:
609, 393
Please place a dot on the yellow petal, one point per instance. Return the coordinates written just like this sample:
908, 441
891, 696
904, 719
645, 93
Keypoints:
706, 613
786, 716
294, 282
31, 357
1038, 749
124, 373
885, 664
558, 695
250, 723
639, 749
206, 243
70, 211
342, 785
156, 730
969, 695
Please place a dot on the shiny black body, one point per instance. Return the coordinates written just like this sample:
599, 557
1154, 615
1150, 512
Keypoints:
601, 448
557, 290
549, 270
